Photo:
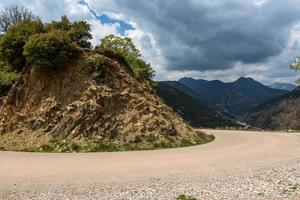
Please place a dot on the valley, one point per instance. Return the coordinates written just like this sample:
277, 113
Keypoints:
233, 105
236, 97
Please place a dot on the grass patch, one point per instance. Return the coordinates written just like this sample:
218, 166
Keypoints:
58, 145
96, 146
39, 142
184, 197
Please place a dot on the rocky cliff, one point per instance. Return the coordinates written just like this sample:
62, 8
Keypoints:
82, 109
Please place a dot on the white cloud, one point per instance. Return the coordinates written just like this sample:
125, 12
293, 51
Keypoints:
148, 47
204, 39
100, 30
54, 9
259, 2
213, 39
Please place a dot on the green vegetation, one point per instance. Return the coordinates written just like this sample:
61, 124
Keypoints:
95, 145
97, 63
49, 51
58, 145
124, 47
41, 142
13, 41
77, 32
155, 84
27, 41
44, 46
7, 79
184, 197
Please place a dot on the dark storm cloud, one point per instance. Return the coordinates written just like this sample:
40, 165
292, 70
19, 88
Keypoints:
210, 34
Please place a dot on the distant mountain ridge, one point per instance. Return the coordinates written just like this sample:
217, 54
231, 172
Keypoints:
184, 101
283, 86
279, 113
236, 97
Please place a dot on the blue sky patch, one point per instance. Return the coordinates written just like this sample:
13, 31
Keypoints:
104, 19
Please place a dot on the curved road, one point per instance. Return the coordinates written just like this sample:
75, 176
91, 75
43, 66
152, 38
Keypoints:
232, 153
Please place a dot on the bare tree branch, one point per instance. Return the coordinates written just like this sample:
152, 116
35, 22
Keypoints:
13, 15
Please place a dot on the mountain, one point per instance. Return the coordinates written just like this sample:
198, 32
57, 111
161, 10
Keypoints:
85, 108
184, 101
236, 97
279, 113
283, 86
193, 83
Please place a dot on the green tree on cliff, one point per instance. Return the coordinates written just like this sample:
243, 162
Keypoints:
124, 46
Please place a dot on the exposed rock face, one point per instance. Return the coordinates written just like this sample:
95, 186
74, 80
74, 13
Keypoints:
279, 113
78, 104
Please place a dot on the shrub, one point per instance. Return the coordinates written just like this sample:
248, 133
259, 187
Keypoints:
138, 139
184, 197
13, 41
155, 84
112, 54
7, 79
142, 69
78, 31
97, 63
39, 38
96, 146
123, 48
58, 145
80, 34
48, 51
151, 138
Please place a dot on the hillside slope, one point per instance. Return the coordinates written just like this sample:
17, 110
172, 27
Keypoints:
182, 100
236, 97
279, 113
283, 86
108, 109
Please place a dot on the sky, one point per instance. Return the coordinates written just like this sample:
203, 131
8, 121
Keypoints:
209, 39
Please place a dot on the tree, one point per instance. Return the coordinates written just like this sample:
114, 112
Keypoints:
126, 48
63, 25
13, 41
26, 40
78, 31
13, 15
7, 79
49, 51
142, 69
296, 66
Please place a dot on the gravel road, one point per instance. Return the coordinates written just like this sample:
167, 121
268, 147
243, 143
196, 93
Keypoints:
237, 165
